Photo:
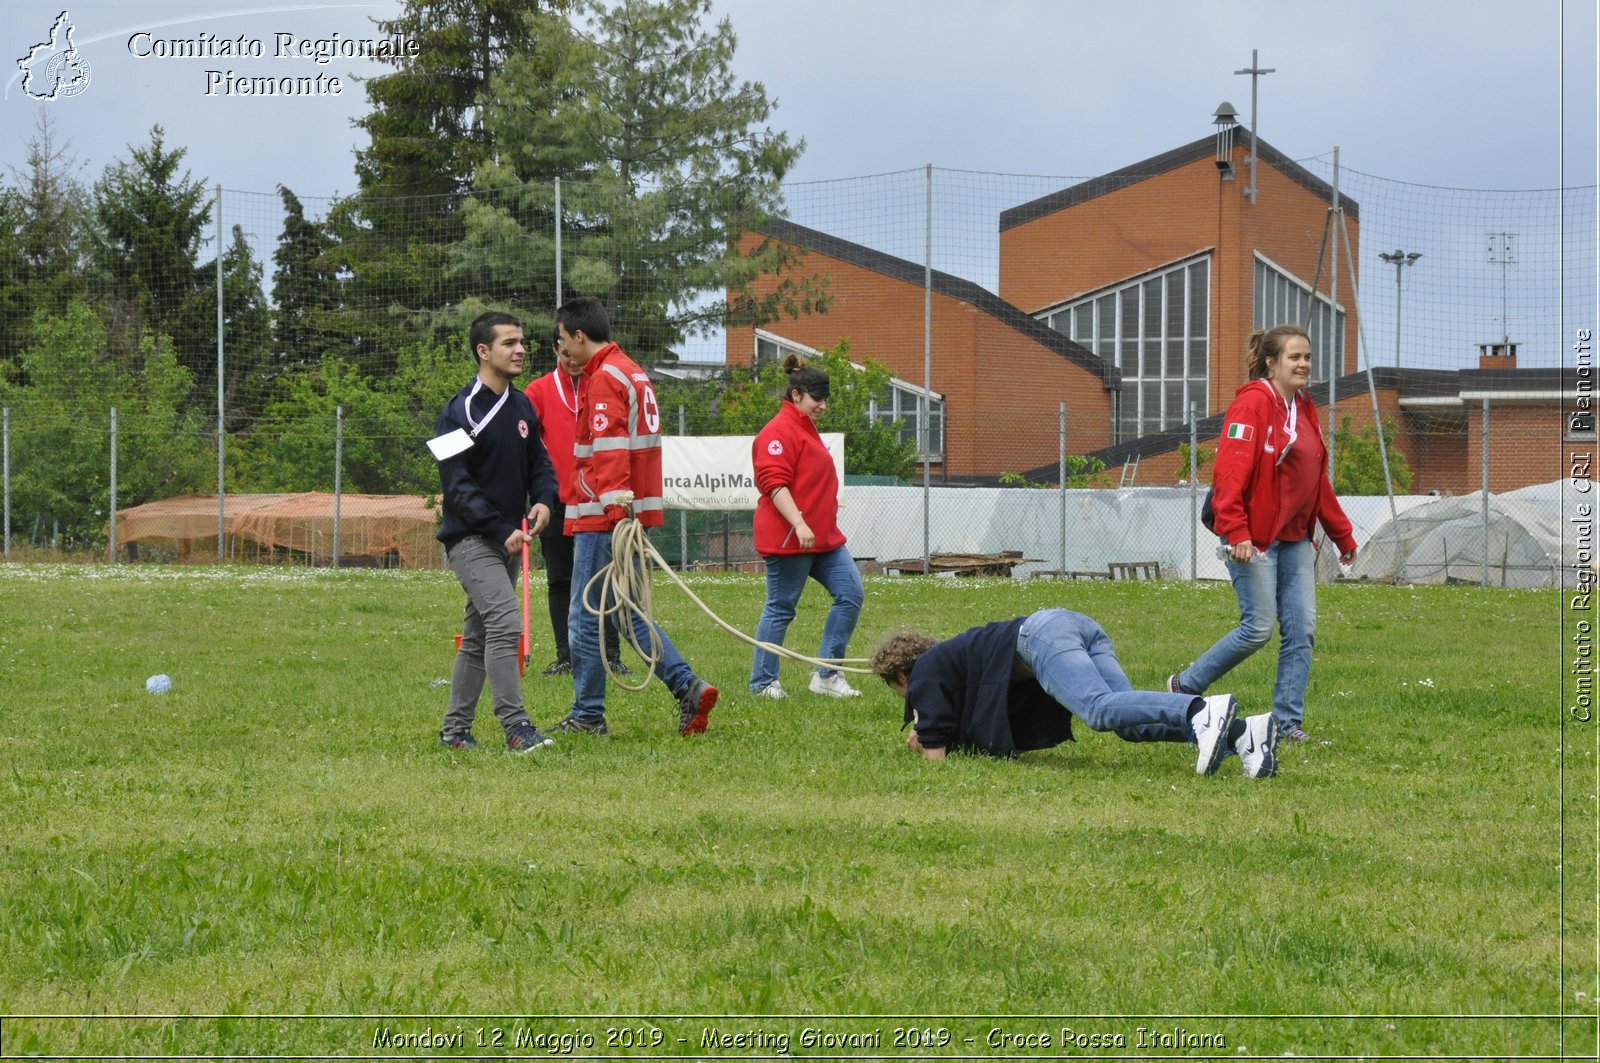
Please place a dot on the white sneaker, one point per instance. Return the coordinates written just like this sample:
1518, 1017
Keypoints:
1257, 747
833, 686
772, 690
1211, 726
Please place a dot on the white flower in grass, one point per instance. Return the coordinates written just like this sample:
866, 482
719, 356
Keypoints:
1425, 682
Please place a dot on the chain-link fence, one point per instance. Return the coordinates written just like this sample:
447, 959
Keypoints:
1048, 345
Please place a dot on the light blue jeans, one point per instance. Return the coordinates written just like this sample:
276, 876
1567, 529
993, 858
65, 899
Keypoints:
786, 578
1276, 588
591, 551
1072, 658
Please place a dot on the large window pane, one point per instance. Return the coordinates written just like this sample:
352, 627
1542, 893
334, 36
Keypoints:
1129, 345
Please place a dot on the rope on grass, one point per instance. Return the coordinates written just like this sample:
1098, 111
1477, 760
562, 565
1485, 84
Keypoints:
625, 583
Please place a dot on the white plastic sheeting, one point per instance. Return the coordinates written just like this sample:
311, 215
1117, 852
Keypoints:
1101, 527
1443, 541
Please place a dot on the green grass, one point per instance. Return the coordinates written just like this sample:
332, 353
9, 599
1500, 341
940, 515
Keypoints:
281, 835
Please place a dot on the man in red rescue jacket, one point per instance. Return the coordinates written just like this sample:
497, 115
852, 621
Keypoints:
616, 473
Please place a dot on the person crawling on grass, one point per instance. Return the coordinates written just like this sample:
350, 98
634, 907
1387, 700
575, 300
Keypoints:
1015, 685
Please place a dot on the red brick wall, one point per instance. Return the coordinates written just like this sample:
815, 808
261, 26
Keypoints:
1169, 216
1002, 390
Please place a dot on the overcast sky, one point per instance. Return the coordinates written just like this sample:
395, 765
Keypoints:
1457, 92
1463, 93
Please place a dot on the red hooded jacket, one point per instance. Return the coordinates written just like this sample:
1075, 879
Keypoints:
617, 449
1246, 493
789, 452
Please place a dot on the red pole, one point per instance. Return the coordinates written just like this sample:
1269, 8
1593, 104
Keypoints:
525, 644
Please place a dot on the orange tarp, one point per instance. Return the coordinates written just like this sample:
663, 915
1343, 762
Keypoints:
369, 525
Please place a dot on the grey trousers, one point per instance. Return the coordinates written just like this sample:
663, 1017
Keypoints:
490, 632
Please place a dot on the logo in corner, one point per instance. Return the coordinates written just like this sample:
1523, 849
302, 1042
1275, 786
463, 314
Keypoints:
55, 69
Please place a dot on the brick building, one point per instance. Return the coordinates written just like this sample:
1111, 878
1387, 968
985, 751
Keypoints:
1131, 297
983, 421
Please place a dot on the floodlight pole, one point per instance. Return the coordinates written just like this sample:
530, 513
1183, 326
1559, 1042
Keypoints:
1399, 259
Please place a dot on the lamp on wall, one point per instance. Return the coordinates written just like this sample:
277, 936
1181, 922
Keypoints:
1227, 120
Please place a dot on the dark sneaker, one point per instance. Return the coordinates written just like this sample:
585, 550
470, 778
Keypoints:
1292, 734
617, 667
559, 666
571, 725
526, 739
458, 740
1175, 687
694, 705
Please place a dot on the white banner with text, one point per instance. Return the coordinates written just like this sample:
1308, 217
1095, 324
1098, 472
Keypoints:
715, 472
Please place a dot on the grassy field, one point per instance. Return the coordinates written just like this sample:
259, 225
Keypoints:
281, 836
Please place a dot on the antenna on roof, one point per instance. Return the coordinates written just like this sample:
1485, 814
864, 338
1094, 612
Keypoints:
1255, 71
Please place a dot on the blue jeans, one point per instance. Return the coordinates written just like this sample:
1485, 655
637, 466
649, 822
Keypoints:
591, 551
1277, 587
1072, 658
786, 579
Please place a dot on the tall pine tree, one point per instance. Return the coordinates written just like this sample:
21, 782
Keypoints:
665, 159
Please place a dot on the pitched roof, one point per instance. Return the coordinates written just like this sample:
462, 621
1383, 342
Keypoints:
1204, 148
945, 284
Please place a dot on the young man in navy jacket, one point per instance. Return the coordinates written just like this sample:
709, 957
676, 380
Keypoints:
1015, 685
495, 468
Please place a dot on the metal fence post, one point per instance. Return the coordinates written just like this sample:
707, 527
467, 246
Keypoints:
1485, 462
221, 445
1194, 491
683, 514
5, 462
113, 543
338, 476
1062, 487
924, 406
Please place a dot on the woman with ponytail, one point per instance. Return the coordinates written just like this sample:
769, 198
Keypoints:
797, 532
1270, 492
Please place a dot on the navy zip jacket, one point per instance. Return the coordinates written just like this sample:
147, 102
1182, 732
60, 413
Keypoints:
488, 488
965, 697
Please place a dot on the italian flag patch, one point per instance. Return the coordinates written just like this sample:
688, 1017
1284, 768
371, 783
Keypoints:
1237, 430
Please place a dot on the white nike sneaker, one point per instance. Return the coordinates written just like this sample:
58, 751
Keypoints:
833, 686
772, 690
1211, 726
1257, 747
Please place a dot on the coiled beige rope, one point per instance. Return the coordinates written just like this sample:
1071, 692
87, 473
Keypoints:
626, 584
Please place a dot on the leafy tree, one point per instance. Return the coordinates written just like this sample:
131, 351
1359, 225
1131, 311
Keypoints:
305, 291
246, 332
60, 429
743, 404
427, 139
292, 446
665, 161
1187, 465
150, 226
43, 221
1358, 465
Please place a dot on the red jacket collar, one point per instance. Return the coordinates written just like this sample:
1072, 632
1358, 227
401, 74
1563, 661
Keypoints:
592, 366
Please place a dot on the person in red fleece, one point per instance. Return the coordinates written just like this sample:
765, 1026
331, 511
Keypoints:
555, 399
616, 473
797, 533
1269, 493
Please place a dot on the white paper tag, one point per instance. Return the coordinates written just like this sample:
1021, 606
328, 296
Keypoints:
450, 444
